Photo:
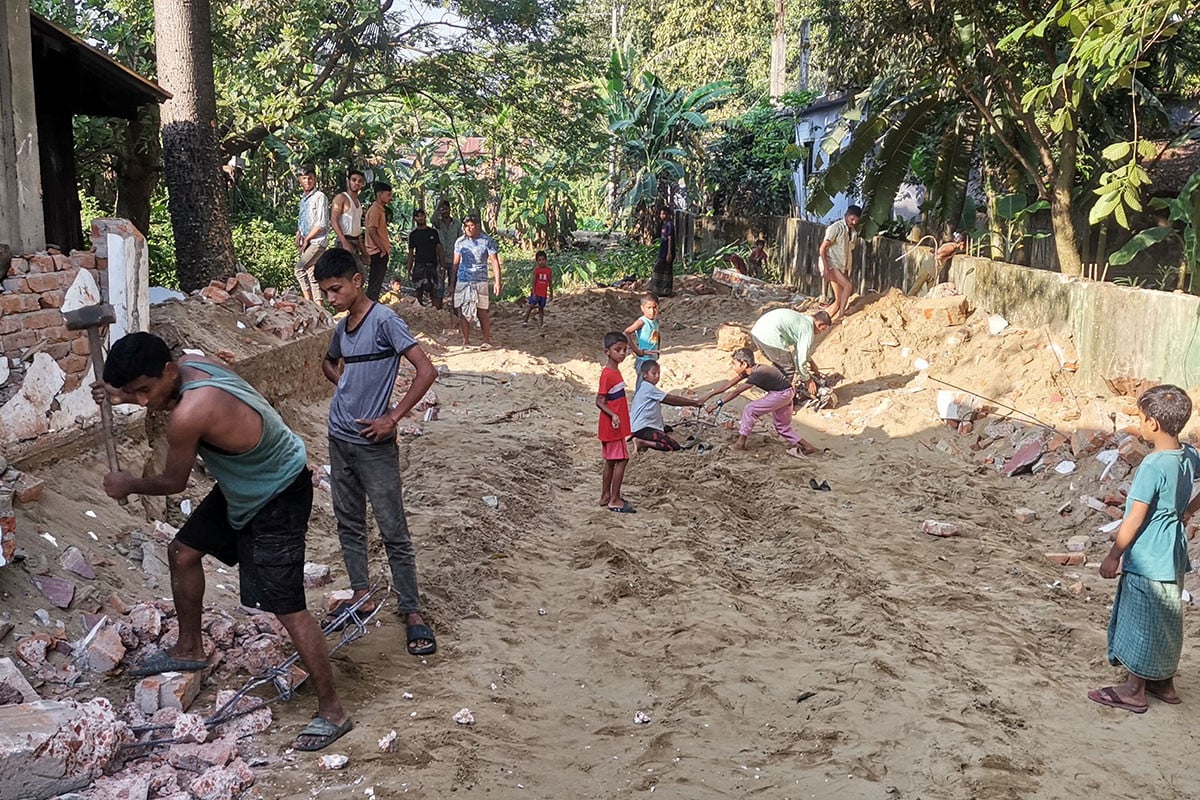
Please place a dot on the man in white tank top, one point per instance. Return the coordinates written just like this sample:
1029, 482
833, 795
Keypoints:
346, 215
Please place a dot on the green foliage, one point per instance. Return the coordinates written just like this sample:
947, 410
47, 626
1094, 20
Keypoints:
889, 137
581, 268
161, 244
1183, 221
655, 131
751, 162
265, 252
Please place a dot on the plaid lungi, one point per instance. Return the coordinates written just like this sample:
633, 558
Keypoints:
1145, 633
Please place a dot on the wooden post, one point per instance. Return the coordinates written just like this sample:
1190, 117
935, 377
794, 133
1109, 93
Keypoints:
21, 222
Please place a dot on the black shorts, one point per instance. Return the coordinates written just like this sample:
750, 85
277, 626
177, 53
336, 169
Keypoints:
269, 550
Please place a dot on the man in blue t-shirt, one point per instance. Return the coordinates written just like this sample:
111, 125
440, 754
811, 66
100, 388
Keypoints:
362, 361
474, 253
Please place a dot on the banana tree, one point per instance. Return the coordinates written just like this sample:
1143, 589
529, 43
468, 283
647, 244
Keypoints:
880, 149
655, 135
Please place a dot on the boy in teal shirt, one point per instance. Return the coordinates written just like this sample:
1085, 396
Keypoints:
1145, 632
643, 335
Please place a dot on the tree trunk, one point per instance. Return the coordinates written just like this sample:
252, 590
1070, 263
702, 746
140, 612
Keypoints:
779, 53
138, 170
195, 184
1066, 239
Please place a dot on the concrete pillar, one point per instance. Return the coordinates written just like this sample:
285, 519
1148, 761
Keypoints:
22, 224
123, 247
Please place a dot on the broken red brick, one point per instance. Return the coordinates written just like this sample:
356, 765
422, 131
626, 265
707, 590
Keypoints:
948, 310
1025, 515
202, 757
180, 689
105, 651
1066, 559
1132, 451
118, 605
147, 692
28, 489
214, 294
1024, 458
936, 528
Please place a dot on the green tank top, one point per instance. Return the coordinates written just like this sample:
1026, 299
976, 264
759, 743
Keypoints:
249, 480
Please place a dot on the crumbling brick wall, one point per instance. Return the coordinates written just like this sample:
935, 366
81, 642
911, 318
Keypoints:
31, 320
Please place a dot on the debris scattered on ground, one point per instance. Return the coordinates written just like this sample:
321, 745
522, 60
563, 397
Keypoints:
937, 528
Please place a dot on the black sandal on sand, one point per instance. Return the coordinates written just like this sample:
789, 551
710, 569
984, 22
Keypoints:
324, 732
162, 661
417, 633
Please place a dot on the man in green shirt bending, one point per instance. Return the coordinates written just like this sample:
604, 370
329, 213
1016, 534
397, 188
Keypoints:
786, 337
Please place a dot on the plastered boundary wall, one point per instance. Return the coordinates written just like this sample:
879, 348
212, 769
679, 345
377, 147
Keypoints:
1118, 331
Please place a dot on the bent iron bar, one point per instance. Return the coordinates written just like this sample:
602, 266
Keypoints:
348, 621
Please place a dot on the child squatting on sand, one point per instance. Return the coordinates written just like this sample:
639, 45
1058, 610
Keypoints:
647, 423
777, 401
614, 423
1145, 632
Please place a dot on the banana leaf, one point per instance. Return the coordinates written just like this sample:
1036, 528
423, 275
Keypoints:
892, 163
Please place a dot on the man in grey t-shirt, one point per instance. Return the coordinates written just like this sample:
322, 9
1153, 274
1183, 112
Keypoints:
362, 361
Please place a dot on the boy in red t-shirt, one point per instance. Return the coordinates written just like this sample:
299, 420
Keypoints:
542, 291
614, 423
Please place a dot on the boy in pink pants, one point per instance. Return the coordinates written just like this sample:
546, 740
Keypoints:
777, 401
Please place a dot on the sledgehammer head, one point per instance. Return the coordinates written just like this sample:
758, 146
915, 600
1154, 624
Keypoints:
89, 317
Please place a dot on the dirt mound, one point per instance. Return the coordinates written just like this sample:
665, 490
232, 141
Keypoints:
782, 641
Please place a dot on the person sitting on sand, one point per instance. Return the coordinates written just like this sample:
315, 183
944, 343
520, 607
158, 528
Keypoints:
1145, 631
394, 294
777, 401
649, 433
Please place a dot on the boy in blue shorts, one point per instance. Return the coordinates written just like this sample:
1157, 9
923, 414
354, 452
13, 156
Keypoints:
542, 292
643, 334
1145, 632
362, 361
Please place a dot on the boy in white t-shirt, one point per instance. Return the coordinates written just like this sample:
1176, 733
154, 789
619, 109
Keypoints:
645, 418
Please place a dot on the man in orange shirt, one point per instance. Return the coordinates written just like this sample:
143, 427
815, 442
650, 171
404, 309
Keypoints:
379, 245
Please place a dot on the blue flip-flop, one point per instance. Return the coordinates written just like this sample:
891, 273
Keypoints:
625, 509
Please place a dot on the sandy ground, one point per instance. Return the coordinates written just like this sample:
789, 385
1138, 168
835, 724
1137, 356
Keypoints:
785, 643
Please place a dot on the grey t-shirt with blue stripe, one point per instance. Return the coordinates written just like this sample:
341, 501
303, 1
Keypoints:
371, 355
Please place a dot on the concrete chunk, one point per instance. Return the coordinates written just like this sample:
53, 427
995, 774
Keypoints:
948, 310
11, 674
49, 748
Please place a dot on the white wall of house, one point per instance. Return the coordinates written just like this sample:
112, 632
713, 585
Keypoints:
813, 127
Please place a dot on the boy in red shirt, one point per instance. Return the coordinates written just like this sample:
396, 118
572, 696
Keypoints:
542, 291
614, 423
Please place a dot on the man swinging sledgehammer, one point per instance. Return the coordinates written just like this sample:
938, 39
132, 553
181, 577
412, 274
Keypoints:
256, 516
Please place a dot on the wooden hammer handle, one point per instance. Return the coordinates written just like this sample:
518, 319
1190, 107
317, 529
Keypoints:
110, 444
